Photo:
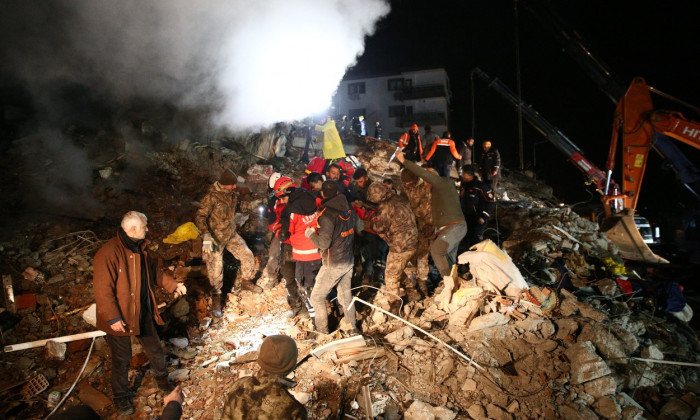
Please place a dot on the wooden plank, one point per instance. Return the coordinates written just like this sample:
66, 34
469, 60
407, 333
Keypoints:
345, 343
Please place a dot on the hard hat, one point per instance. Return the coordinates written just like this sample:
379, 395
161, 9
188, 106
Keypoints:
414, 127
273, 178
282, 184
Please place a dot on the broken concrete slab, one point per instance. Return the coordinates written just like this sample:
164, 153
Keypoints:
419, 410
586, 365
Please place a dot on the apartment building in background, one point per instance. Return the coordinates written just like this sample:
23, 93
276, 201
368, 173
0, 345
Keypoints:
397, 101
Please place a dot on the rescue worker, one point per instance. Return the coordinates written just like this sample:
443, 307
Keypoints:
334, 236
443, 153
418, 194
266, 395
467, 153
395, 223
377, 130
490, 166
270, 273
124, 273
215, 220
284, 188
477, 203
332, 145
446, 213
370, 249
411, 145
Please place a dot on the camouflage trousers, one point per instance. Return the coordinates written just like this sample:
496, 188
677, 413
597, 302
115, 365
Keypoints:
395, 264
422, 256
215, 261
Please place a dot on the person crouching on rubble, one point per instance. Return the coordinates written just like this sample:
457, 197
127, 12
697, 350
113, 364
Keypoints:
446, 213
395, 223
337, 224
215, 220
266, 395
126, 304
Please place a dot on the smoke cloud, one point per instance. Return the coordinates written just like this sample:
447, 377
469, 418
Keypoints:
255, 63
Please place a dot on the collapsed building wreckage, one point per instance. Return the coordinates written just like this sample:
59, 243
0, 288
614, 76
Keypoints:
567, 338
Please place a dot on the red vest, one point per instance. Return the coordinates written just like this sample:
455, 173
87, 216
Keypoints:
302, 247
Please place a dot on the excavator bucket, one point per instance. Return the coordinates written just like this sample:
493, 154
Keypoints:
621, 229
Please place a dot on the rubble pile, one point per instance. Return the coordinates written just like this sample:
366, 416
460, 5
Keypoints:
539, 328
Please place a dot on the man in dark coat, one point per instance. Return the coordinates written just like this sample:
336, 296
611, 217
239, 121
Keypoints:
124, 273
334, 237
477, 203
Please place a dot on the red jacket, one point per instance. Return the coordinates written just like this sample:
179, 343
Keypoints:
277, 224
302, 247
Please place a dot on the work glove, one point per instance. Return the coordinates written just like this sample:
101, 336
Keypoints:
180, 290
208, 243
481, 220
309, 231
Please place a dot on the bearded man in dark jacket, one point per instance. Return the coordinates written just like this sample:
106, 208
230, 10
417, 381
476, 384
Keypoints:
334, 236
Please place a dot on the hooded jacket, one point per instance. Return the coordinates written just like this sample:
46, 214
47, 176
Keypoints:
395, 222
335, 232
215, 214
117, 285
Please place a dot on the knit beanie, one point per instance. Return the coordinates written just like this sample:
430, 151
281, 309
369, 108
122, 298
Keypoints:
228, 178
278, 354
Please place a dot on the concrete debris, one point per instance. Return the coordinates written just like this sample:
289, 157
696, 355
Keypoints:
546, 319
419, 410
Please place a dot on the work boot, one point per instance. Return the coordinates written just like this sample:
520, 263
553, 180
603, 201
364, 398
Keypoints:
412, 294
215, 309
124, 406
164, 384
250, 286
423, 287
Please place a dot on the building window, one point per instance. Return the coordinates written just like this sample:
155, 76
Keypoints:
395, 84
356, 88
409, 110
397, 111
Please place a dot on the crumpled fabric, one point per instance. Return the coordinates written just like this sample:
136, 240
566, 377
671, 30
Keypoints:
183, 233
494, 269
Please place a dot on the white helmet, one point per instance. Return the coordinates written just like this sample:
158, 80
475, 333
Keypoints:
273, 178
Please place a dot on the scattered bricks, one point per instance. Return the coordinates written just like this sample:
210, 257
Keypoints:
586, 365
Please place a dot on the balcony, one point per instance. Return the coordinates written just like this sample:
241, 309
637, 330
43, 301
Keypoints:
421, 92
422, 119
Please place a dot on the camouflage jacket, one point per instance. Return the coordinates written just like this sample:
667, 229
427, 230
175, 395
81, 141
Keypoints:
215, 214
262, 397
418, 196
395, 222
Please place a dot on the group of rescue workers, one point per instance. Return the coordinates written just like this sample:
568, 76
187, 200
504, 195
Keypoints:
324, 229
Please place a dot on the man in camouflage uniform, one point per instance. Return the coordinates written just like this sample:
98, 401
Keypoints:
417, 192
266, 395
214, 219
395, 224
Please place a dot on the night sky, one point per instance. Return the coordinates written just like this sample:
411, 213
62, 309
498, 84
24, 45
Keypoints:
654, 40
